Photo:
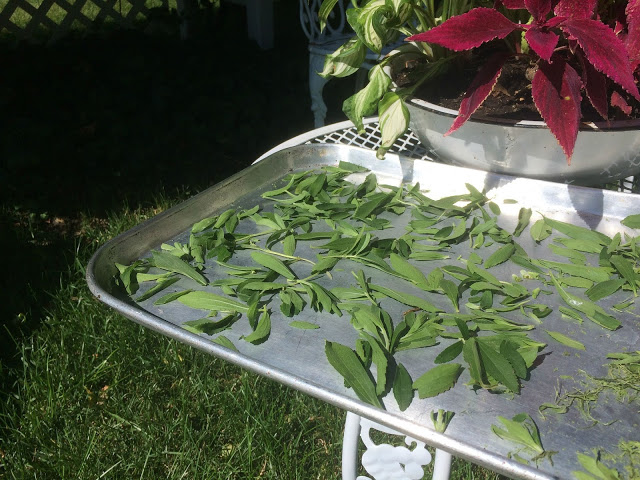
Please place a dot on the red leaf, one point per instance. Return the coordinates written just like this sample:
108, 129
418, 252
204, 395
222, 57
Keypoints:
556, 93
595, 84
479, 89
632, 40
539, 9
618, 100
574, 9
603, 50
542, 42
468, 30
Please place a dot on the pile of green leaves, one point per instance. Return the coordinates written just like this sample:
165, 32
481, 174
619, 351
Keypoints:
455, 303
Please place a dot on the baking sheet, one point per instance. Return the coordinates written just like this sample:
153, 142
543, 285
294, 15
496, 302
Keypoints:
296, 357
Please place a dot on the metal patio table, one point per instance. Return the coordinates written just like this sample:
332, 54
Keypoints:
468, 437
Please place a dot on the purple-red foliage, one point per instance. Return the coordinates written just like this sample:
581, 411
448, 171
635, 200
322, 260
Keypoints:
575, 52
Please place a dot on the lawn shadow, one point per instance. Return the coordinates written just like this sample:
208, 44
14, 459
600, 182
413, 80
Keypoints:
97, 121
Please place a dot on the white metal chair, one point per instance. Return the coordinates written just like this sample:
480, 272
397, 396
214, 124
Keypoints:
386, 462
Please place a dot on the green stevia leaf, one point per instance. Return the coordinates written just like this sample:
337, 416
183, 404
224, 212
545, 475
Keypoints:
524, 433
151, 277
263, 286
483, 227
341, 245
525, 262
265, 221
408, 271
289, 245
579, 245
203, 224
293, 179
594, 312
557, 409
304, 325
158, 287
325, 264
314, 236
500, 256
406, 298
262, 331
449, 353
223, 217
498, 367
595, 274
272, 263
577, 282
402, 387
625, 269
494, 208
210, 326
427, 256
352, 167
170, 297
509, 350
373, 203
349, 365
210, 301
225, 342
171, 263
379, 357
567, 341
450, 289
523, 220
570, 313
632, 221
604, 320
595, 468
579, 233
509, 201
573, 255
472, 357
438, 380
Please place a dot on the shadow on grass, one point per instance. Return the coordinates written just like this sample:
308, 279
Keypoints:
96, 122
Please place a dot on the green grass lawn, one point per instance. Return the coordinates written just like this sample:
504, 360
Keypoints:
98, 133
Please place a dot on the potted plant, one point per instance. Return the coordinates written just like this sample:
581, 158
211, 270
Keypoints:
576, 62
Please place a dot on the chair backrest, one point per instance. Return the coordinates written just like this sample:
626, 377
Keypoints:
337, 25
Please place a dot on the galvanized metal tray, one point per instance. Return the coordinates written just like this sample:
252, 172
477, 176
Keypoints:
296, 357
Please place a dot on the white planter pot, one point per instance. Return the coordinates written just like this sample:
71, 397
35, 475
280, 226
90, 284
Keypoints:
527, 148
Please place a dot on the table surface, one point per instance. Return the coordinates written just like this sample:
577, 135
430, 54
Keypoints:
308, 375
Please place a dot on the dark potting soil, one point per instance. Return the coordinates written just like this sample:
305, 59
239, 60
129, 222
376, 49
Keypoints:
511, 97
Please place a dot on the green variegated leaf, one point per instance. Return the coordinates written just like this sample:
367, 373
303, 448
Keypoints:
394, 121
346, 60
369, 23
324, 11
365, 102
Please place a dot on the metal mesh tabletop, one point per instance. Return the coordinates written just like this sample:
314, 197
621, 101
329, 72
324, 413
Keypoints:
407, 145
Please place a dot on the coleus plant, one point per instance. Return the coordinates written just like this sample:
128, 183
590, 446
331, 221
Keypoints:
574, 50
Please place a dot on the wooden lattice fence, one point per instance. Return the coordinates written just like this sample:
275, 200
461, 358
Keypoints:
29, 19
